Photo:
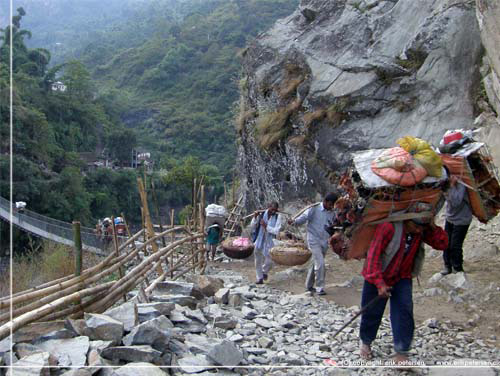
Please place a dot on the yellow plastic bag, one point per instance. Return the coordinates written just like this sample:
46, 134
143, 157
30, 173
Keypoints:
423, 153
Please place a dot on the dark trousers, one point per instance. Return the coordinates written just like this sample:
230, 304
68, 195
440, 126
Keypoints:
402, 322
453, 255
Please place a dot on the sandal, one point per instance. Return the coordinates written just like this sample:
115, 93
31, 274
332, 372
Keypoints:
365, 352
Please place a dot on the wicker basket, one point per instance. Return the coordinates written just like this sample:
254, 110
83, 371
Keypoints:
236, 252
290, 254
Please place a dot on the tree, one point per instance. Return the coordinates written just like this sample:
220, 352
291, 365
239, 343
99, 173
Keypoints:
77, 79
121, 143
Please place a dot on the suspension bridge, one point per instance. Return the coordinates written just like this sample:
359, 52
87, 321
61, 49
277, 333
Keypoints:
49, 228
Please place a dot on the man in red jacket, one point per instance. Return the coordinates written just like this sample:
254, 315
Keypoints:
388, 273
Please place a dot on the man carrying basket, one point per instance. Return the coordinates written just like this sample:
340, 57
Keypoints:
266, 227
318, 217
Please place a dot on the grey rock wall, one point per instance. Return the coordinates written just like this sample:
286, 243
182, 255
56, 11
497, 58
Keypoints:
366, 73
488, 16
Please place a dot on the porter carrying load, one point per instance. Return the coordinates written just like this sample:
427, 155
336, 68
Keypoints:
472, 164
368, 200
215, 214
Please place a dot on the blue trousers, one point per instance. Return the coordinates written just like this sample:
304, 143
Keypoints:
402, 322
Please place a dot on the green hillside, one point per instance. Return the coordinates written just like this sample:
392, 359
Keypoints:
178, 88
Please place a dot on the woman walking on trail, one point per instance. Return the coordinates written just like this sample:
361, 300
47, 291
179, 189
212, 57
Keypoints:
214, 236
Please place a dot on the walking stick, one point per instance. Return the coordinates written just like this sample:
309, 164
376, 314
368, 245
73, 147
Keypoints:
362, 310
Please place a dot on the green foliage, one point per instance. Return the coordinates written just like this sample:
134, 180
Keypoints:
162, 75
50, 129
120, 143
186, 72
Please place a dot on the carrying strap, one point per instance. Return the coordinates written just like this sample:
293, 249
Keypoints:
393, 247
402, 217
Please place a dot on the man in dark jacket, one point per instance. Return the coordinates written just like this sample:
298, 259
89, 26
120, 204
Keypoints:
388, 273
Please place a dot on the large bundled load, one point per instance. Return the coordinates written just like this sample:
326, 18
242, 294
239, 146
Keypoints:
385, 185
471, 162
215, 214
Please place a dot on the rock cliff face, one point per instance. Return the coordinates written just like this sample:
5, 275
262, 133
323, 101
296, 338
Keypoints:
339, 76
488, 16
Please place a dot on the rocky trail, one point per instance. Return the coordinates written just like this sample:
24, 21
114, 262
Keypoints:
222, 323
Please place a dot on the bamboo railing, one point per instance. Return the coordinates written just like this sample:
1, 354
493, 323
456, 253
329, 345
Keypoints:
133, 264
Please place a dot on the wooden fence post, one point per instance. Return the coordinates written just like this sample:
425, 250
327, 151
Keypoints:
147, 218
77, 237
172, 213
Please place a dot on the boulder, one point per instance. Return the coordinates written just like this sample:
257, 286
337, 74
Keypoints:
194, 364
68, 352
155, 332
38, 364
126, 314
235, 300
222, 296
196, 314
25, 349
182, 300
141, 353
209, 285
100, 345
103, 327
199, 344
78, 372
226, 354
96, 362
6, 345
57, 334
147, 313
75, 326
178, 288
163, 308
140, 368
456, 281
225, 322
32, 331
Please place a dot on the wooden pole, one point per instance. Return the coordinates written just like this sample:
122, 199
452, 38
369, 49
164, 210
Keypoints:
67, 290
225, 195
203, 250
194, 203
143, 226
117, 253
233, 190
46, 289
29, 317
157, 209
77, 236
130, 235
172, 213
147, 218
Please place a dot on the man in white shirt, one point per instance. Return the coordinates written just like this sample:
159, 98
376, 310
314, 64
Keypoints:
267, 226
317, 217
